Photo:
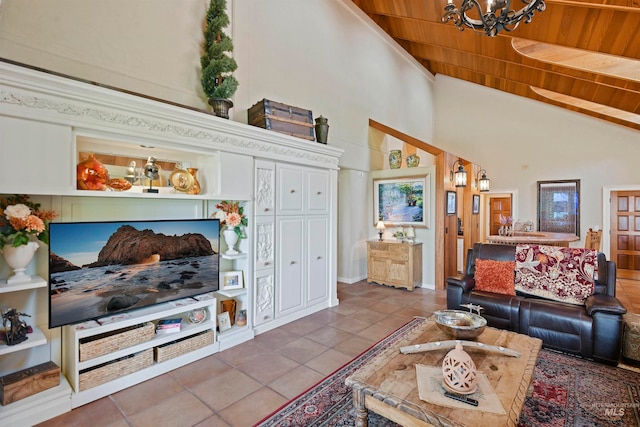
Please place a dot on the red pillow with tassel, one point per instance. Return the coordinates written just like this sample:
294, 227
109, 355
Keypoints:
495, 276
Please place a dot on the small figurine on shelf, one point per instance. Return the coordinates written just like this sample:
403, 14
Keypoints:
151, 172
15, 329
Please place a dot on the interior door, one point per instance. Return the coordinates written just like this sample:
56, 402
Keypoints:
498, 206
625, 233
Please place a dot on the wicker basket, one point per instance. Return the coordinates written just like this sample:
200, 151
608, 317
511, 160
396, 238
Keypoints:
101, 374
99, 345
185, 345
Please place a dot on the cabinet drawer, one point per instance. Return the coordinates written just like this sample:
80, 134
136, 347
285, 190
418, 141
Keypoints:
392, 255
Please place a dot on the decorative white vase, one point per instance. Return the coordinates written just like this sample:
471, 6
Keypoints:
231, 238
18, 258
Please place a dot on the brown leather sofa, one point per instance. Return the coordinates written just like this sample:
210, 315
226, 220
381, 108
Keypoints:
592, 331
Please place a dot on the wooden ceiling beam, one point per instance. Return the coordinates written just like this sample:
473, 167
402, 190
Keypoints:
425, 51
527, 91
615, 97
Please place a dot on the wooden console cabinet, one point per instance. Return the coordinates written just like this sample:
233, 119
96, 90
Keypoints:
394, 264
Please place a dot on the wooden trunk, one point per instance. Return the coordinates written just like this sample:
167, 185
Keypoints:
27, 382
282, 118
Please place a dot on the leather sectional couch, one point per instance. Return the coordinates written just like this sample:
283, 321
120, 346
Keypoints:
592, 330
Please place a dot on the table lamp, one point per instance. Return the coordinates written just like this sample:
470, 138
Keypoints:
380, 227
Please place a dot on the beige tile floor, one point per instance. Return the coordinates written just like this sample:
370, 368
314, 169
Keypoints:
240, 386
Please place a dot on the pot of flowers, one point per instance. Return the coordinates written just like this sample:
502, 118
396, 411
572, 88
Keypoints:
21, 222
231, 216
217, 81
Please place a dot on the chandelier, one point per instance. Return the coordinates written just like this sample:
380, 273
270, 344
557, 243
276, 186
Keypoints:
498, 16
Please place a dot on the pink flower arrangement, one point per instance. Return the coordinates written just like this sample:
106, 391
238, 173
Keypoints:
505, 220
231, 214
20, 218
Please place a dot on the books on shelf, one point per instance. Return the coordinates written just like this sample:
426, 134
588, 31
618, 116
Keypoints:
167, 326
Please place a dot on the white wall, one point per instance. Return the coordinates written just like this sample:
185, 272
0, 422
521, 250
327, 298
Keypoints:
150, 47
322, 55
520, 141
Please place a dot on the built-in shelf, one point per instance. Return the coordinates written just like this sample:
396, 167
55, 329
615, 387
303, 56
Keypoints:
232, 293
142, 315
38, 407
233, 257
34, 339
36, 282
185, 331
136, 192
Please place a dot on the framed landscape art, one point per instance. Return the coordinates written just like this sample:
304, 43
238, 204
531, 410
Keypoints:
401, 201
475, 208
451, 202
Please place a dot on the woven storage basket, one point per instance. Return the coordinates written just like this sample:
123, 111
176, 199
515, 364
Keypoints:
99, 345
115, 369
185, 345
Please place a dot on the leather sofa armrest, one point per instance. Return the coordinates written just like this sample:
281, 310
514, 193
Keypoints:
604, 303
466, 282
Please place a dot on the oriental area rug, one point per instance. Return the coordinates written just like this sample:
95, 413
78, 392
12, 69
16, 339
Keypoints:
565, 391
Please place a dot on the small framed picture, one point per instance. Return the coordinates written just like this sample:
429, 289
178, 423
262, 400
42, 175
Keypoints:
476, 204
224, 321
451, 202
231, 280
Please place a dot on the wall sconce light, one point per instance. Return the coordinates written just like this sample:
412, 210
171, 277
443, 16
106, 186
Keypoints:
460, 175
380, 226
483, 183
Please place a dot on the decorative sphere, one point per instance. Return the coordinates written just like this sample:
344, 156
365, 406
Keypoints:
459, 372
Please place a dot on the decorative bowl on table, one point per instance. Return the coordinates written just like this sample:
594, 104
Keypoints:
460, 324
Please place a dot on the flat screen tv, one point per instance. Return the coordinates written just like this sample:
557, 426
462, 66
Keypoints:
103, 269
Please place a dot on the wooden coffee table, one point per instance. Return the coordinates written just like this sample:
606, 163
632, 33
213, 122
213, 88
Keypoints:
387, 384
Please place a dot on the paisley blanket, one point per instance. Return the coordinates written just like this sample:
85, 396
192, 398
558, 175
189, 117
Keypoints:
556, 273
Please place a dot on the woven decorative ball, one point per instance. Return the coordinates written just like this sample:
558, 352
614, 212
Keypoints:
459, 372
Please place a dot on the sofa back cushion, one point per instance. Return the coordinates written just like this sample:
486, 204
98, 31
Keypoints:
495, 276
556, 273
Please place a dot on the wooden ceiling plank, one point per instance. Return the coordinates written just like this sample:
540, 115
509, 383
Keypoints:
571, 24
619, 98
585, 52
628, 120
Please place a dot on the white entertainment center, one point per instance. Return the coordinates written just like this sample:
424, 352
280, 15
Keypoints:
287, 186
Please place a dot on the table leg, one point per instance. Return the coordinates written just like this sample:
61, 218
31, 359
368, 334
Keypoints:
361, 410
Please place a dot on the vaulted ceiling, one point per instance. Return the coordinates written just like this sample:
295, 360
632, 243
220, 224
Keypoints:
582, 55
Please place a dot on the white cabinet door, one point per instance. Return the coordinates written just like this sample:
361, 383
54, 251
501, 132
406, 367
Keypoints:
37, 158
265, 188
317, 191
265, 242
265, 296
317, 259
290, 187
289, 264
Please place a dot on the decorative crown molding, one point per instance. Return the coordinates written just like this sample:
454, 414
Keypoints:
79, 104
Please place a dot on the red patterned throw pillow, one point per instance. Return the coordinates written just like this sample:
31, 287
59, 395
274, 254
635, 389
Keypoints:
495, 276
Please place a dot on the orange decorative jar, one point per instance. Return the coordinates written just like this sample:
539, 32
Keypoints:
91, 174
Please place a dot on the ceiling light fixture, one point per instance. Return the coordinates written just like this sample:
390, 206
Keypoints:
498, 16
483, 183
460, 175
